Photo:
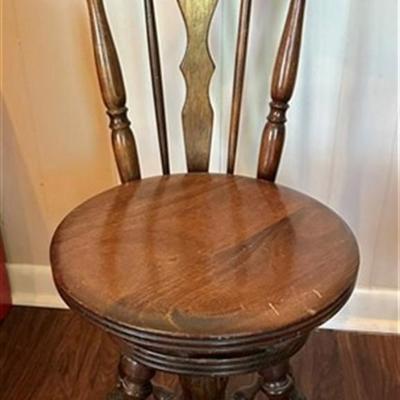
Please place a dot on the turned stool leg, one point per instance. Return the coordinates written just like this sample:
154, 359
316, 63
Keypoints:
134, 381
279, 383
202, 388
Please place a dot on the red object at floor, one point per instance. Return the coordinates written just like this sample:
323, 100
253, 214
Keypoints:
5, 293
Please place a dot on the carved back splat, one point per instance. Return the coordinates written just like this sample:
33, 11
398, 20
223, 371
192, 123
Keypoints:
197, 68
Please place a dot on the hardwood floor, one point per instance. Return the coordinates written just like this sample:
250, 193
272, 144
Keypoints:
55, 355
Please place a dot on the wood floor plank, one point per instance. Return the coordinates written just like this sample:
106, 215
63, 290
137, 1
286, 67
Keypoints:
55, 355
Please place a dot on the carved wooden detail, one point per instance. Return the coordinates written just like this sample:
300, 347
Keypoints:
197, 114
197, 68
238, 81
161, 393
196, 303
113, 92
279, 383
202, 388
248, 392
135, 379
156, 77
276, 382
283, 82
188, 313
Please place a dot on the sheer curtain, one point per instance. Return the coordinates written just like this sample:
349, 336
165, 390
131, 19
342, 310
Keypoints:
342, 144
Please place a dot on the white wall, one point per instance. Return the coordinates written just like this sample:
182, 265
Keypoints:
341, 144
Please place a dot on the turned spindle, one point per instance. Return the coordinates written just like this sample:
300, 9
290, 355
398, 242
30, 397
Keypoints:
157, 84
113, 92
238, 81
283, 83
278, 383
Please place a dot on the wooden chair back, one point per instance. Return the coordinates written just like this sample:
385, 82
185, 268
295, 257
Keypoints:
197, 113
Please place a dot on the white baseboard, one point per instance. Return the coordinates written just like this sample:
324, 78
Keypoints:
32, 285
368, 310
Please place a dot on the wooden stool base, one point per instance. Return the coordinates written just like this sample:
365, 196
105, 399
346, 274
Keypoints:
279, 384
275, 382
201, 388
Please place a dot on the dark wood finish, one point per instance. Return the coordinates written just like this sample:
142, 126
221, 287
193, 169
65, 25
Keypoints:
156, 77
201, 388
135, 379
283, 82
113, 93
135, 383
278, 383
197, 68
56, 355
177, 296
201, 275
249, 391
197, 114
238, 81
198, 256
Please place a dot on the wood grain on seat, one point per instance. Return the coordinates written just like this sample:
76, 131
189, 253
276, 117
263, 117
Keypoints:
204, 255
204, 276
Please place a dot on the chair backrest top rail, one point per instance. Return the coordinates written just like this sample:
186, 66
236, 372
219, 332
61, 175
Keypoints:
197, 68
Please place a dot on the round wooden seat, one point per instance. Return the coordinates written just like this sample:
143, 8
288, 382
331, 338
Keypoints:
204, 257
204, 276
